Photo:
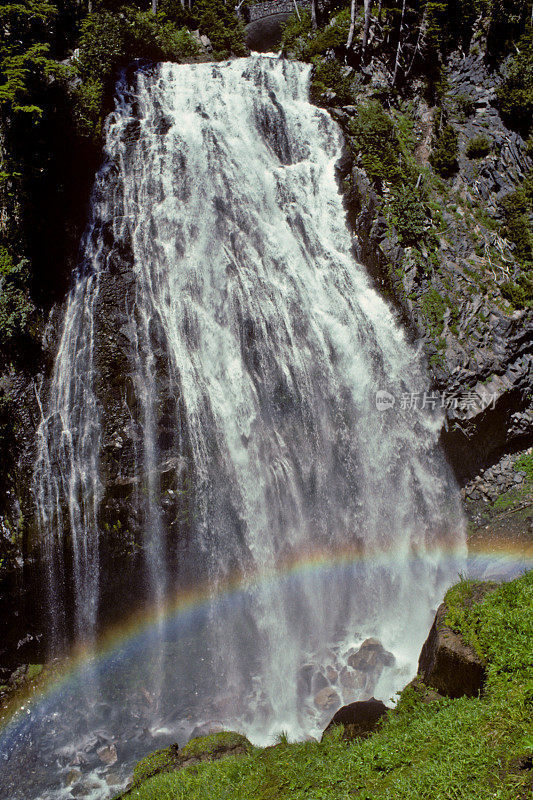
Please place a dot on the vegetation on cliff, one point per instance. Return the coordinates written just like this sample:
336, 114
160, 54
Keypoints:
470, 748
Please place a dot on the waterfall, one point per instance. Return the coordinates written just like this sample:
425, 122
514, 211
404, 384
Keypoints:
220, 185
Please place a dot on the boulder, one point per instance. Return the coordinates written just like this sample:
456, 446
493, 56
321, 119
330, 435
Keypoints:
359, 719
371, 656
326, 699
448, 664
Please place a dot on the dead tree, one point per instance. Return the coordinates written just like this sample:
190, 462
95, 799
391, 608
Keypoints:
314, 23
399, 48
353, 12
366, 29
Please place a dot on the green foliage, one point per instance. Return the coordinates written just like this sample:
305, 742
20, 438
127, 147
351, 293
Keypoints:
515, 92
433, 307
464, 105
24, 54
294, 33
478, 147
516, 209
450, 22
443, 156
15, 306
375, 137
466, 749
303, 43
155, 763
507, 21
408, 215
218, 20
330, 75
525, 464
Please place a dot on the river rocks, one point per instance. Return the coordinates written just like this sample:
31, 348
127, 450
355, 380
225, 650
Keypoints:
448, 664
107, 754
326, 699
503, 476
371, 656
359, 719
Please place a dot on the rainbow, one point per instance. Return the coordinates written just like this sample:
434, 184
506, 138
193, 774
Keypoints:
501, 559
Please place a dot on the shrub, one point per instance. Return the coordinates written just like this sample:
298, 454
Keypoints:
516, 208
15, 306
294, 32
478, 147
519, 293
515, 92
408, 215
225, 30
374, 135
465, 105
331, 75
443, 156
303, 43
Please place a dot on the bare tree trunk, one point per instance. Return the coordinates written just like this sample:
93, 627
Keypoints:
399, 48
353, 11
154, 6
421, 33
366, 29
296, 9
313, 15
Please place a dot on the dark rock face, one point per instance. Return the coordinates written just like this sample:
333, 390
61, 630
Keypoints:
371, 656
359, 719
479, 349
448, 664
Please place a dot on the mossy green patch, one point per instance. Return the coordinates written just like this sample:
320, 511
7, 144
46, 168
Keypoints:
33, 671
154, 764
525, 464
205, 745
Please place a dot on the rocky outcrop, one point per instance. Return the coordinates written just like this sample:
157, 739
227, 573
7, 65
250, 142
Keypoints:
371, 657
448, 664
358, 719
479, 348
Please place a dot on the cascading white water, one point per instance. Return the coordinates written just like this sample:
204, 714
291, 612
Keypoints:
276, 345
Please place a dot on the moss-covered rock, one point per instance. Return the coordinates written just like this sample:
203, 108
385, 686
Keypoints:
165, 760
216, 745
200, 749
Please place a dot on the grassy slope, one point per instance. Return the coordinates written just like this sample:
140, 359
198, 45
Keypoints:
465, 748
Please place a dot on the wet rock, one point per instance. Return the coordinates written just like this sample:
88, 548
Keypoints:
359, 719
371, 656
72, 777
326, 699
107, 754
205, 729
319, 682
304, 679
448, 664
331, 673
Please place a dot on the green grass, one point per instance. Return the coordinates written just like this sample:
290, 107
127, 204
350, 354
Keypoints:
467, 748
525, 464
